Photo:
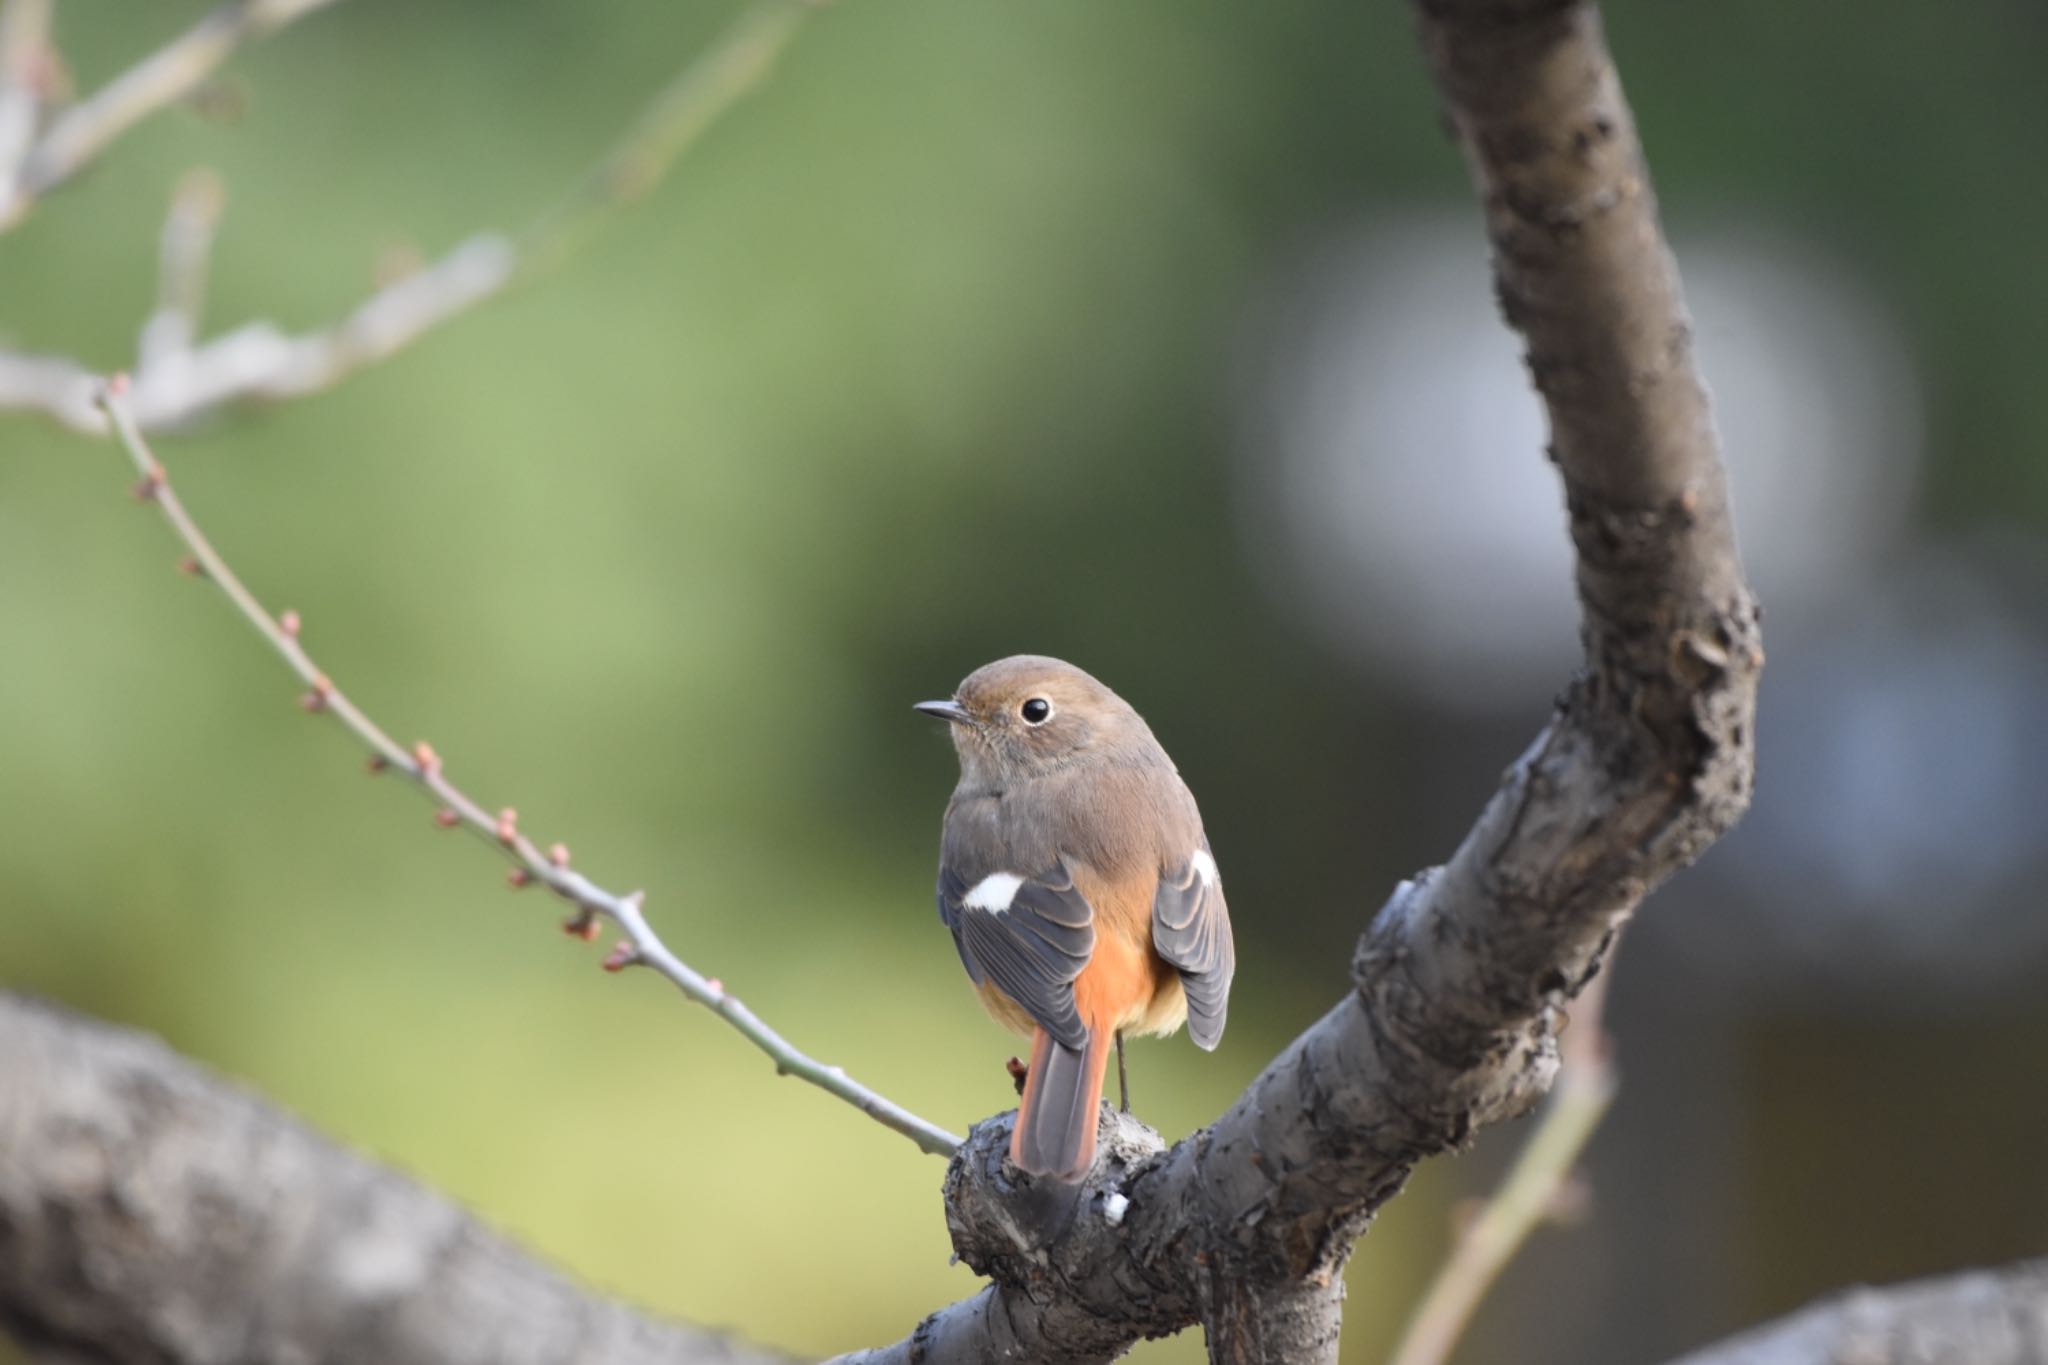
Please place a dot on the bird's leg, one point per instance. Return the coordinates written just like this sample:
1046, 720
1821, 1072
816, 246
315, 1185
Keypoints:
1123, 1081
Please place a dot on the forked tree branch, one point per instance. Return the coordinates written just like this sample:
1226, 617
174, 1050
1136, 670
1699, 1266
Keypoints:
1461, 978
176, 384
551, 869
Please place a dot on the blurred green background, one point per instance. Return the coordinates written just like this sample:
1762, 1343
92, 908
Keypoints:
935, 350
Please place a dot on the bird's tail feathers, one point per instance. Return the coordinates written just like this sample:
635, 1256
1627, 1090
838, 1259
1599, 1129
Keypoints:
1056, 1119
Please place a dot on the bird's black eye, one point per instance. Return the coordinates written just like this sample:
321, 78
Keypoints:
1036, 711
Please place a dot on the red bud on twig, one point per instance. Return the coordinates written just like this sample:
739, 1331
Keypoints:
518, 877
558, 854
446, 817
289, 623
622, 956
508, 826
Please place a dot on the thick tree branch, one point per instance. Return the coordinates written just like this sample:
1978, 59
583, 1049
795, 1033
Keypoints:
151, 1212
1258, 1322
1463, 974
1984, 1317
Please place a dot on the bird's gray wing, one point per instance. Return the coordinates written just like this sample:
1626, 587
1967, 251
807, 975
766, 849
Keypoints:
1191, 930
1028, 935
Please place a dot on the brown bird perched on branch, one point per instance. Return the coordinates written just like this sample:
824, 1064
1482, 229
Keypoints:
1080, 890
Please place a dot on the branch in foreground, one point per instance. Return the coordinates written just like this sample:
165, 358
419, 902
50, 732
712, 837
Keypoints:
164, 77
174, 385
501, 829
1983, 1317
215, 1228
1462, 975
150, 1211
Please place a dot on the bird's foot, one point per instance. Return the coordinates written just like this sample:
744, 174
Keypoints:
1018, 1071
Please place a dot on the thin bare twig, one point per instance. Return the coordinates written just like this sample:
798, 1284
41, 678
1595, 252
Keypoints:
163, 77
551, 868
260, 362
1586, 1083
669, 125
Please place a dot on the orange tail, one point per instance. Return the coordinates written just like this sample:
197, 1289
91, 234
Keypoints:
1055, 1132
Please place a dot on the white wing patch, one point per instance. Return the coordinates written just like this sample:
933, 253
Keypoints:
1205, 867
995, 892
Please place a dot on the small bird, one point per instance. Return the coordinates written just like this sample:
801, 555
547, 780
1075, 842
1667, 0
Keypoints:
1080, 889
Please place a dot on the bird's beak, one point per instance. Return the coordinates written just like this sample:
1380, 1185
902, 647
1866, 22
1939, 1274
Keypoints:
946, 710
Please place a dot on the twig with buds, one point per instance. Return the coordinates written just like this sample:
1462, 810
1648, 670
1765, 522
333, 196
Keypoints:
640, 946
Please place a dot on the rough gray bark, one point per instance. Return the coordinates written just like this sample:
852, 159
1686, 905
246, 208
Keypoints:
1984, 1317
150, 1212
1291, 1320
1461, 978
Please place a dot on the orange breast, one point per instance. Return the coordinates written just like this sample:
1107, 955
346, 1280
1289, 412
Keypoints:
1126, 985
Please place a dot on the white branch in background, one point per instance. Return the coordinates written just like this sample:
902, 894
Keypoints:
175, 384
185, 251
177, 379
167, 75
24, 77
551, 869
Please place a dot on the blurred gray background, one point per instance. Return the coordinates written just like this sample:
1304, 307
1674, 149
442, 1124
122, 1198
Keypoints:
1156, 335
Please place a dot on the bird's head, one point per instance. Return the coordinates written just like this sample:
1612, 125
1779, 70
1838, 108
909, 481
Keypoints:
1029, 714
